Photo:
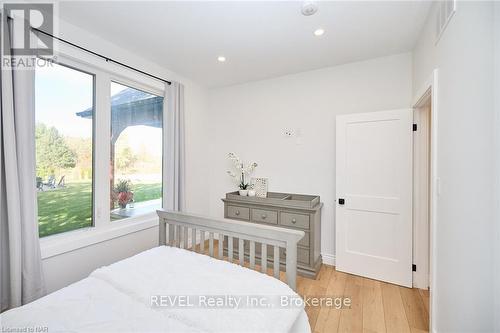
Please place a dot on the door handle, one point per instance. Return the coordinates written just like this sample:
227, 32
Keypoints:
341, 201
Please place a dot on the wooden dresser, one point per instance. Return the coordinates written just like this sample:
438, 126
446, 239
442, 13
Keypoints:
293, 211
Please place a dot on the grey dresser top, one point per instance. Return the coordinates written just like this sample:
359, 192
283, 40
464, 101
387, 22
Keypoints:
286, 200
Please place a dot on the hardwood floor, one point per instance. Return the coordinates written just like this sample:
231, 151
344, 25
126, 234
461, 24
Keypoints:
376, 306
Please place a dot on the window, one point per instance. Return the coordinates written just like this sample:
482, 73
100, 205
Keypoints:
136, 152
64, 148
99, 152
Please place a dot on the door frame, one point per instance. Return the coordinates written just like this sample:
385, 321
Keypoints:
430, 90
421, 196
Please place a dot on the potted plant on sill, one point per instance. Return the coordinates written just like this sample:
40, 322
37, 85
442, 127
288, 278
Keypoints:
241, 172
123, 193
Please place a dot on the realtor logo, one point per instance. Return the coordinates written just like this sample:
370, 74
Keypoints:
21, 20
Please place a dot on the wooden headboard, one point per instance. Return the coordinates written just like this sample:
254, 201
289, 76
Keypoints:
181, 225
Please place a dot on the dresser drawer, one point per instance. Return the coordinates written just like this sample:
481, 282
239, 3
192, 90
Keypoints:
295, 220
264, 216
305, 240
237, 212
302, 255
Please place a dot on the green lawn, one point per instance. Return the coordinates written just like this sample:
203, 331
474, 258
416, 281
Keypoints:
69, 208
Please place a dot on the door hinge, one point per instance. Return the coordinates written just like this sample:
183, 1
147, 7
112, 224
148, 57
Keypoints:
414, 268
414, 127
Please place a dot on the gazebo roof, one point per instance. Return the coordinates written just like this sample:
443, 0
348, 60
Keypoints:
129, 98
131, 107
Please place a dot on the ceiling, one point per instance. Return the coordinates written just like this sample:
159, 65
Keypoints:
259, 39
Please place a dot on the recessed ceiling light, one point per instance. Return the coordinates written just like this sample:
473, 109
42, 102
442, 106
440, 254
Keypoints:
221, 58
319, 32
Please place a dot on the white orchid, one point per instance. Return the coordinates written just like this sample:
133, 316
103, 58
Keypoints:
236, 161
241, 170
250, 168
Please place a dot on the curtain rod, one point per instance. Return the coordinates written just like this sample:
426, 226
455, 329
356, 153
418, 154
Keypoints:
102, 56
108, 59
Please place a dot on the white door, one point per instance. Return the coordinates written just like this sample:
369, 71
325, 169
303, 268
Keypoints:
374, 195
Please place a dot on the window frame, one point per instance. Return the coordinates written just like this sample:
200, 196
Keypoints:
150, 90
103, 228
94, 91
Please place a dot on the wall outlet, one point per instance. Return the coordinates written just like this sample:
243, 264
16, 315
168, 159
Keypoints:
288, 132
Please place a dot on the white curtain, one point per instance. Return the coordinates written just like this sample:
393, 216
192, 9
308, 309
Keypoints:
173, 124
21, 276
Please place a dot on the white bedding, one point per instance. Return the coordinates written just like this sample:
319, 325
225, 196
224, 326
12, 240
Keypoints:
118, 298
90, 305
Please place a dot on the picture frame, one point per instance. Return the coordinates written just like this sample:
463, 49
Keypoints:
260, 185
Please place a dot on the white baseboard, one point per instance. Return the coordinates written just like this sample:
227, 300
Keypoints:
328, 259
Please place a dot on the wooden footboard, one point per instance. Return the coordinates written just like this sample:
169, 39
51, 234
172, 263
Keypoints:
181, 225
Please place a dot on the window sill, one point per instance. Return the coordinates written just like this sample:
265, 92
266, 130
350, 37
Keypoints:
55, 245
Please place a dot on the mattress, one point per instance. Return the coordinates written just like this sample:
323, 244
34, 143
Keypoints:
166, 289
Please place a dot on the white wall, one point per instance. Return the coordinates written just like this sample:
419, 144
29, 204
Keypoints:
249, 119
73, 266
497, 131
465, 207
69, 267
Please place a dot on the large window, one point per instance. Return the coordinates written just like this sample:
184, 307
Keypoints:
99, 149
64, 148
136, 152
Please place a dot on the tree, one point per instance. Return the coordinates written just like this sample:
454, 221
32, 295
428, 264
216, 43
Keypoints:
125, 159
52, 151
83, 150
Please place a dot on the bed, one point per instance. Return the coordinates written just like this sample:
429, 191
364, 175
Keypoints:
177, 288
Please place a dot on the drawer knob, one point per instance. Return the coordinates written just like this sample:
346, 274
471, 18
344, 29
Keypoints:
237, 212
264, 216
294, 221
